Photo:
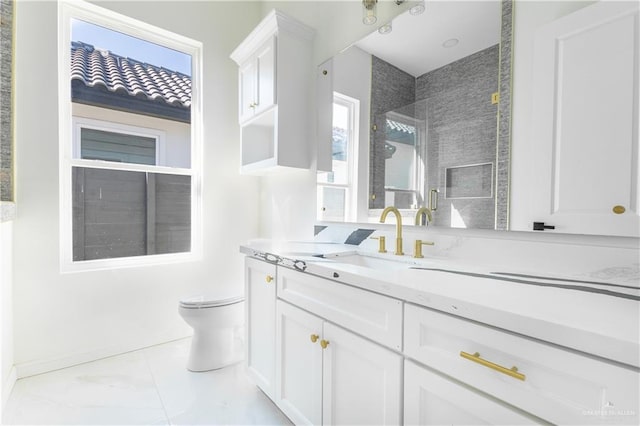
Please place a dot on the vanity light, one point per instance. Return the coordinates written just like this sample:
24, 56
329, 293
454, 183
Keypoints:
450, 43
417, 9
385, 29
369, 9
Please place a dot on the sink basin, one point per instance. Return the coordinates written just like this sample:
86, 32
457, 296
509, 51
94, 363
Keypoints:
371, 262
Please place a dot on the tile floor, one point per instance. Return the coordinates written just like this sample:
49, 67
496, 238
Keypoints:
150, 386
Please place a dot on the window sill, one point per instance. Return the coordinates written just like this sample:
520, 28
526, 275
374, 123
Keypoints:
7, 211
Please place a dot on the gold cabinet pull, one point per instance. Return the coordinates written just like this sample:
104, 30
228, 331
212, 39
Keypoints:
619, 209
314, 338
268, 279
513, 371
324, 343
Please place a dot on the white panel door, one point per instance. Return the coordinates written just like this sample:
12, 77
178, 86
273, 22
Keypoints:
260, 323
361, 381
585, 115
298, 364
432, 399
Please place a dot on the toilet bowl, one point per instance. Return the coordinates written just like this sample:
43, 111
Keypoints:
217, 324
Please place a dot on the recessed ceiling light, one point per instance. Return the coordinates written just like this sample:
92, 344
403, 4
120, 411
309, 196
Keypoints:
417, 9
385, 29
450, 43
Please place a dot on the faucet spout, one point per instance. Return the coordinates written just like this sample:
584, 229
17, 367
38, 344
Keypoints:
396, 212
423, 211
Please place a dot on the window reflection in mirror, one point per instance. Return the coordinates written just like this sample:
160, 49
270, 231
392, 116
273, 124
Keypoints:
336, 189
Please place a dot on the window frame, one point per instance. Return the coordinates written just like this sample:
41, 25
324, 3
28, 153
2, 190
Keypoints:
80, 123
68, 10
350, 205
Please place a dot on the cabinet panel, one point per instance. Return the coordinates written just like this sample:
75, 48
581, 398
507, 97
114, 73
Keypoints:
431, 399
299, 365
374, 316
260, 317
557, 385
266, 63
361, 381
585, 115
247, 76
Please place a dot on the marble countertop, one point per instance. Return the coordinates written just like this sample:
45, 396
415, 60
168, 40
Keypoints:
599, 318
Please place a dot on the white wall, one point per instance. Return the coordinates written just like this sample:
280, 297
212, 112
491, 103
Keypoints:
60, 319
177, 135
6, 313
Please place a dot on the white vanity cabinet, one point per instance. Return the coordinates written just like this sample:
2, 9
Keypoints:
275, 79
328, 375
260, 316
551, 383
584, 175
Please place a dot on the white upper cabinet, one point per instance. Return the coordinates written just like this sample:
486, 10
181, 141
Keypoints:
257, 81
585, 122
274, 77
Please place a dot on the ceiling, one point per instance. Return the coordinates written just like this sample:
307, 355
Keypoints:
415, 44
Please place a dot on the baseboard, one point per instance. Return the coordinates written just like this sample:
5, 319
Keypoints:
34, 368
7, 386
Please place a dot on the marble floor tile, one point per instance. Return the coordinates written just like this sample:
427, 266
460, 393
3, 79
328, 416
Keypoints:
151, 386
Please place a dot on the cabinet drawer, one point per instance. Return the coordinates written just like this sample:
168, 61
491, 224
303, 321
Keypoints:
374, 316
554, 384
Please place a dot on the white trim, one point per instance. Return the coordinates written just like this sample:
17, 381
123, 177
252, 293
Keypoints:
7, 387
32, 368
68, 9
80, 123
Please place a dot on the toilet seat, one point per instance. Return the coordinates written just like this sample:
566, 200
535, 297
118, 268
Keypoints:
208, 301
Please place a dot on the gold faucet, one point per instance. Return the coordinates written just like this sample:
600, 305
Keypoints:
420, 212
383, 217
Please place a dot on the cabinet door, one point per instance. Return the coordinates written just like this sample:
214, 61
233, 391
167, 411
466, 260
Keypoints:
361, 381
299, 365
585, 117
248, 83
260, 303
266, 81
433, 399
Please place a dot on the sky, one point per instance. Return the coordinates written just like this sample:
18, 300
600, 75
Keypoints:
131, 47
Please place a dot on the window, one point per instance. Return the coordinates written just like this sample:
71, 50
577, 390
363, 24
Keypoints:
129, 145
336, 189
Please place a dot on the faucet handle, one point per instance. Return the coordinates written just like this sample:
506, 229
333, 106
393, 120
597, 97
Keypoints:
381, 245
417, 253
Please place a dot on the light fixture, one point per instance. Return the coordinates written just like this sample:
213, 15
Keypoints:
417, 9
369, 11
385, 29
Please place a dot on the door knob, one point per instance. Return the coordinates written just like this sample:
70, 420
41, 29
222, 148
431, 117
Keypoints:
268, 279
324, 343
314, 338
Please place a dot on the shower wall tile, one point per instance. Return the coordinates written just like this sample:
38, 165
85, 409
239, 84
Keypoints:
462, 129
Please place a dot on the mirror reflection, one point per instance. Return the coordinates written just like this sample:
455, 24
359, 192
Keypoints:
432, 109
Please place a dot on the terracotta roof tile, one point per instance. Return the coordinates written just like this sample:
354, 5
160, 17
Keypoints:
95, 67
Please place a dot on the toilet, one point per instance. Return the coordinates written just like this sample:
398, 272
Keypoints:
217, 323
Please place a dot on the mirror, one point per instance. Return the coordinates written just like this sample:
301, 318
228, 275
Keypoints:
434, 94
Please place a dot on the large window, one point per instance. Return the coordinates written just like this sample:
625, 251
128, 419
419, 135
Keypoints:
129, 145
336, 189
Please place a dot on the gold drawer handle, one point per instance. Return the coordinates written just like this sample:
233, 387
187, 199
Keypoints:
513, 371
314, 338
324, 343
269, 278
